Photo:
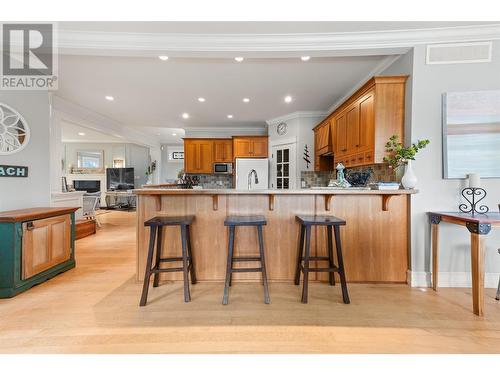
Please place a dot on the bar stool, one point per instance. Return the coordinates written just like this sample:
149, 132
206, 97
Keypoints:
306, 222
232, 222
157, 225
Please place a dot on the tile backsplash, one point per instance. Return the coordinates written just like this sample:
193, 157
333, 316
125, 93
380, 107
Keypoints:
312, 178
380, 173
215, 181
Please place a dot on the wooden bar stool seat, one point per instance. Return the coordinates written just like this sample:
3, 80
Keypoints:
157, 225
304, 254
232, 222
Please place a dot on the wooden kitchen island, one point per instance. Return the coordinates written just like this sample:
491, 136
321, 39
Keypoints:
374, 240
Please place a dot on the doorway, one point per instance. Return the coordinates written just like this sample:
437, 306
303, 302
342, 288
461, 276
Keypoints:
283, 175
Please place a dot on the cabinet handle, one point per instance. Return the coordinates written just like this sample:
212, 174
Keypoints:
344, 150
30, 226
357, 145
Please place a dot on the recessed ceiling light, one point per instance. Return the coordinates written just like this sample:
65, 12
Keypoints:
202, 100
305, 58
81, 133
163, 58
185, 115
109, 97
239, 59
174, 134
229, 116
246, 100
288, 99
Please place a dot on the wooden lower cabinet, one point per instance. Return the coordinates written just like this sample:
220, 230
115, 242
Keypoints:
36, 244
46, 243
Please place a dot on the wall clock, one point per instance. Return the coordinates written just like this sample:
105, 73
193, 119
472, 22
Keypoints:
14, 131
282, 128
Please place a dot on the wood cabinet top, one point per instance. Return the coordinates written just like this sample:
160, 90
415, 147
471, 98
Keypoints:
34, 213
363, 89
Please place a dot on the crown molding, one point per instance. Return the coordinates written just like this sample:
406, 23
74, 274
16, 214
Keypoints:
297, 114
205, 45
224, 132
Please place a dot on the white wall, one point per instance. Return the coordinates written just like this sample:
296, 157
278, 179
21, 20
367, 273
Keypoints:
170, 168
429, 83
299, 130
135, 156
17, 193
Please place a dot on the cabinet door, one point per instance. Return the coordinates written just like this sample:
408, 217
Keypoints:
241, 147
223, 151
205, 156
352, 128
46, 243
341, 135
190, 157
259, 147
367, 122
323, 136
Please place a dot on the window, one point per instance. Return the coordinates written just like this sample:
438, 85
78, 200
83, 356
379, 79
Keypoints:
90, 159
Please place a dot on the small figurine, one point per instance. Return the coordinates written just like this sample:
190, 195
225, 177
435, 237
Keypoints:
340, 182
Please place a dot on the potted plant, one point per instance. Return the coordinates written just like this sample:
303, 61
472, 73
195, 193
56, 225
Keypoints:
149, 172
399, 156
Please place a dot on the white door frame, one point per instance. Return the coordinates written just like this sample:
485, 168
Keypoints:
290, 143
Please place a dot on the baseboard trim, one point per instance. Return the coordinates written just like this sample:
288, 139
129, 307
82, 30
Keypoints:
451, 279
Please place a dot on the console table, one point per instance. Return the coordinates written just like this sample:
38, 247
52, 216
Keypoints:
479, 226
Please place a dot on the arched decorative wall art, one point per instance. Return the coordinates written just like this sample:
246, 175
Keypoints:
14, 130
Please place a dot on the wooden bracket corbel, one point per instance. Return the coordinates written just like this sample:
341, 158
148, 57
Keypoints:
215, 201
385, 201
271, 202
328, 198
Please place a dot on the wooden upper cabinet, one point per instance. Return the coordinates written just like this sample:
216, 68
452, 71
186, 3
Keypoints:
198, 155
352, 128
323, 139
340, 135
46, 243
250, 147
223, 150
364, 122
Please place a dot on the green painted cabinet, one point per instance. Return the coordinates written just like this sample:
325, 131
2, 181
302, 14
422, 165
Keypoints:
35, 245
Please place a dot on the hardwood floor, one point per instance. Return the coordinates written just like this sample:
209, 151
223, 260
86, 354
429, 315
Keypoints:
94, 308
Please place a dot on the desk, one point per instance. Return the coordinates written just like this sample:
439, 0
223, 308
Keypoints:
479, 226
127, 195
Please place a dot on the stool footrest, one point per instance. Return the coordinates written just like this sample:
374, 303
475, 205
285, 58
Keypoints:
245, 270
246, 259
319, 258
175, 259
173, 269
317, 269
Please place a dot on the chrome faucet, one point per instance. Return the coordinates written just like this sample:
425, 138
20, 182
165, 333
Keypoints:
252, 172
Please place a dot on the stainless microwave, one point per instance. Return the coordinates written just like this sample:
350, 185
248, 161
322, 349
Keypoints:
223, 168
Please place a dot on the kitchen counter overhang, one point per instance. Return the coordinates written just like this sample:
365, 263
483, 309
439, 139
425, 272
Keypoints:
327, 193
375, 238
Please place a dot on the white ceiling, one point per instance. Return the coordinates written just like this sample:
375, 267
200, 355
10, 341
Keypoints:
153, 93
70, 134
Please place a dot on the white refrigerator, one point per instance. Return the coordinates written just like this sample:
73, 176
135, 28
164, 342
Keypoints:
249, 169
